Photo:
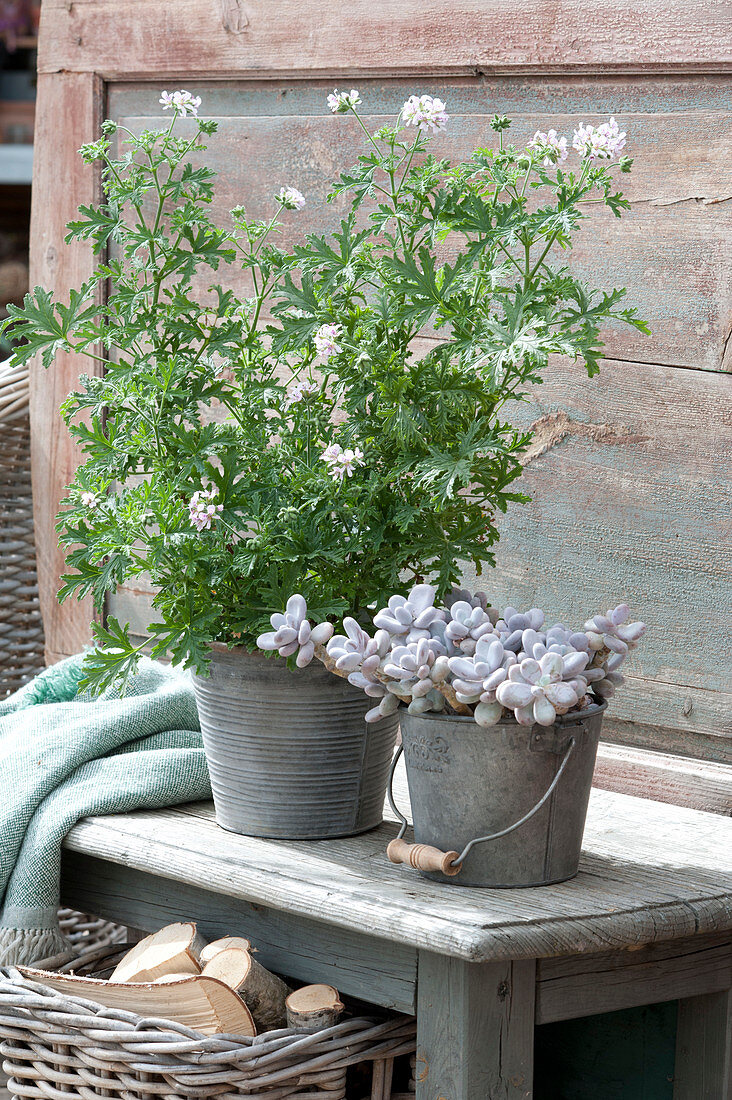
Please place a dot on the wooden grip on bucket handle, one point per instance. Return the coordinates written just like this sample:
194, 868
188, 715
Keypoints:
423, 857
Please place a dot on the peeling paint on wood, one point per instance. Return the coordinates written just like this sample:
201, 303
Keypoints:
554, 427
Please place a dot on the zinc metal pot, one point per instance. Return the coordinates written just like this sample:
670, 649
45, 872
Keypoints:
498, 807
289, 753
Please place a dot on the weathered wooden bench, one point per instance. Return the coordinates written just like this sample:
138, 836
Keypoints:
648, 919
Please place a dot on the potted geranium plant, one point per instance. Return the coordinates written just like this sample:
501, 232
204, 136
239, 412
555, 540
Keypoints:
345, 461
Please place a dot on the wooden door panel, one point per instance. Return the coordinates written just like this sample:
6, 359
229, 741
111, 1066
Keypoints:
621, 490
670, 250
629, 474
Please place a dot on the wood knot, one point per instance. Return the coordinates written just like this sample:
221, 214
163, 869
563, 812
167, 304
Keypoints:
421, 1073
233, 17
503, 990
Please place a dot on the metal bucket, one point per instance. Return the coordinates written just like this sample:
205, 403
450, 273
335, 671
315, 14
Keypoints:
508, 803
289, 753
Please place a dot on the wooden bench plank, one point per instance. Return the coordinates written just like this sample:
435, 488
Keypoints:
698, 784
586, 985
649, 872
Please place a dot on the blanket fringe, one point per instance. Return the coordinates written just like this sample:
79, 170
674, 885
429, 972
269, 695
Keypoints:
26, 946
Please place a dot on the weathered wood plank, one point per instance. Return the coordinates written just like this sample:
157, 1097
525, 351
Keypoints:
649, 872
670, 251
587, 985
672, 718
475, 1029
698, 784
704, 1048
629, 474
304, 949
68, 113
557, 94
132, 38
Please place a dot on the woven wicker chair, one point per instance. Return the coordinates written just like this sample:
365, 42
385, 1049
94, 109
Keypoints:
21, 629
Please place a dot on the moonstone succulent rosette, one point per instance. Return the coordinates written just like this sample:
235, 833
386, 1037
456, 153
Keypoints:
464, 657
293, 634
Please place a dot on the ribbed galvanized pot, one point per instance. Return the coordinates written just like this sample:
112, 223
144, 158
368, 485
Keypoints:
466, 782
289, 753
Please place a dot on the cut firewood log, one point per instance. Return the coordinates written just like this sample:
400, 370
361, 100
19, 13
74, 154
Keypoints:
164, 979
314, 1007
211, 950
202, 1003
172, 950
263, 993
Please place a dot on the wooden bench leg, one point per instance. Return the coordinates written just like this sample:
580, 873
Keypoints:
475, 1029
704, 1048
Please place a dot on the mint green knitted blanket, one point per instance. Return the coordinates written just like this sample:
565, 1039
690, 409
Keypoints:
65, 756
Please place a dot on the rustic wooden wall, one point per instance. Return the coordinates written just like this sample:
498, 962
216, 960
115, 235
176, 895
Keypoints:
629, 474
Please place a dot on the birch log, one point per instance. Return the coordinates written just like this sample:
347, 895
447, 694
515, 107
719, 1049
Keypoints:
211, 950
263, 993
314, 1007
171, 950
197, 1001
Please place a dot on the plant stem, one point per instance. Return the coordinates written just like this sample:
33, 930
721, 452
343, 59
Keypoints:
448, 692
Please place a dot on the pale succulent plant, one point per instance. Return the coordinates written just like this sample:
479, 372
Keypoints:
467, 624
464, 658
410, 616
293, 633
537, 691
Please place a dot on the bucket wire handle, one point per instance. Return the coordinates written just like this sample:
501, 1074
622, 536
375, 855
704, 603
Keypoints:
534, 810
427, 858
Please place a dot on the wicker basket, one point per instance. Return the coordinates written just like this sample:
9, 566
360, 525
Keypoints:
87, 933
55, 1045
21, 629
